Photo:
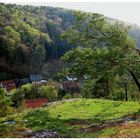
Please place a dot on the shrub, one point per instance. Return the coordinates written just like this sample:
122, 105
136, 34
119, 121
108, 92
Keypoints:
5, 130
67, 96
37, 118
61, 94
54, 83
5, 104
18, 97
30, 91
77, 95
49, 92
118, 94
88, 89
27, 87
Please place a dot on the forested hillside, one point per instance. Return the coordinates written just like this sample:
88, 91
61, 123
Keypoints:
30, 36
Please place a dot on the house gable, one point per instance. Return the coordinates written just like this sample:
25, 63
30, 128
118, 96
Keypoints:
35, 77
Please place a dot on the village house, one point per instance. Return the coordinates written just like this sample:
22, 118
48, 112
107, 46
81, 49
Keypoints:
69, 78
37, 78
69, 86
24, 81
16, 83
34, 78
20, 82
8, 85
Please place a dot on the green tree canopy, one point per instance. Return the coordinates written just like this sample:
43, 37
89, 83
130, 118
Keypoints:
106, 50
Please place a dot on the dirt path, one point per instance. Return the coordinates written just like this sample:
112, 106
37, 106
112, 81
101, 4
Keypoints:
110, 123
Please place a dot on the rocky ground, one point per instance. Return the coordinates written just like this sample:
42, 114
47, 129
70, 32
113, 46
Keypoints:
45, 134
120, 124
41, 134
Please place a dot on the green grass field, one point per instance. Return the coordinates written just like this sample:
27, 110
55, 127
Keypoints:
77, 118
93, 109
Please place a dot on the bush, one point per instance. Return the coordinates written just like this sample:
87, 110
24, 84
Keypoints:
61, 94
54, 83
5, 104
37, 118
48, 92
5, 130
67, 96
18, 97
77, 95
88, 89
27, 87
118, 94
31, 91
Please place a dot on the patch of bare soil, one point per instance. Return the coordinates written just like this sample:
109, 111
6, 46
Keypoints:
78, 122
128, 130
104, 125
126, 127
95, 128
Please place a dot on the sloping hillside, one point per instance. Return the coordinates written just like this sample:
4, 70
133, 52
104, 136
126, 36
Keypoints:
77, 118
30, 36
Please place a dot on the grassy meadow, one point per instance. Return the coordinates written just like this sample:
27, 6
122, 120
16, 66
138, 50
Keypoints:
79, 118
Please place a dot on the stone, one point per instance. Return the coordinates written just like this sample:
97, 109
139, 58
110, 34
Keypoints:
45, 134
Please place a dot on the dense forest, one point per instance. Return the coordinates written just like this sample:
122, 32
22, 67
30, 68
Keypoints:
30, 36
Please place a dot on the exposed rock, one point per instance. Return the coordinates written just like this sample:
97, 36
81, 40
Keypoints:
10, 122
45, 134
28, 132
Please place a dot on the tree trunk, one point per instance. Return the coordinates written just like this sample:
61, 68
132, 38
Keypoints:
135, 79
125, 86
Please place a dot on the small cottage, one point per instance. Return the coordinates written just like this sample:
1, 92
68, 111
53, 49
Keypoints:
69, 86
24, 81
70, 78
8, 85
35, 78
